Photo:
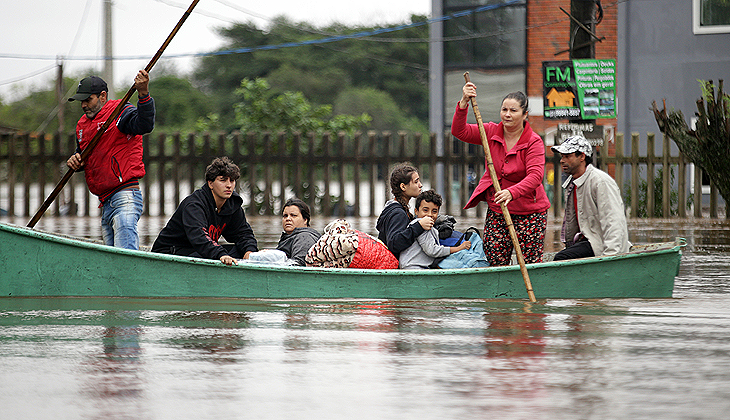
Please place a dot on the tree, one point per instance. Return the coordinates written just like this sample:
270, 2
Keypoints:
259, 109
385, 112
708, 146
178, 104
37, 111
320, 72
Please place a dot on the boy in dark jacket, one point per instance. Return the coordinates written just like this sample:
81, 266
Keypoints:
427, 248
208, 213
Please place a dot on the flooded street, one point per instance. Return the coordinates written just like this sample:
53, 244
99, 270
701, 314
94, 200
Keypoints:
389, 359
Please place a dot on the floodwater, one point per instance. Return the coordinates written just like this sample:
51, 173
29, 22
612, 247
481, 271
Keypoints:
389, 359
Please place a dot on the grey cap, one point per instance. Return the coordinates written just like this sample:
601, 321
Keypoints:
574, 144
89, 86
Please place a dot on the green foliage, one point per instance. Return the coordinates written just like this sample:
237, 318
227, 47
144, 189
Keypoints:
383, 76
178, 104
210, 122
658, 180
708, 92
385, 112
320, 72
38, 110
260, 110
708, 146
317, 86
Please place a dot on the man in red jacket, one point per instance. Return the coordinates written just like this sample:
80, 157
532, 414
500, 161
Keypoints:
114, 167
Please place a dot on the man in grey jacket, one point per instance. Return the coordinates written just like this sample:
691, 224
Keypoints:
594, 222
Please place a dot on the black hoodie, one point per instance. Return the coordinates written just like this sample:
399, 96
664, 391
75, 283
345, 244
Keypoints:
197, 226
394, 229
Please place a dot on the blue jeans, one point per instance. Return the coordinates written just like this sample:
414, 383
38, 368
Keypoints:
119, 216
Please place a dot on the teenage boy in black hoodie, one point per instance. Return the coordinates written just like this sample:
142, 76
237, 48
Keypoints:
208, 213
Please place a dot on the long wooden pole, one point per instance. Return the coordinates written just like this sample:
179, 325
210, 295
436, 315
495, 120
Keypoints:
118, 110
505, 211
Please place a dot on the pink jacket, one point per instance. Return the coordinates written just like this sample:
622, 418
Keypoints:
520, 170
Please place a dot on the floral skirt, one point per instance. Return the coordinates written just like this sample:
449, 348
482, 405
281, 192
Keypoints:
530, 229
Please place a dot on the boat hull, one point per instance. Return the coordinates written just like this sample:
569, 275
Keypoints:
38, 264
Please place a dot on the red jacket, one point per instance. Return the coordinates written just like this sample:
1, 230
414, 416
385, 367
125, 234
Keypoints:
116, 161
520, 170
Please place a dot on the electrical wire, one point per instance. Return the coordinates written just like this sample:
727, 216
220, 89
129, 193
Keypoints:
199, 11
28, 76
82, 24
329, 39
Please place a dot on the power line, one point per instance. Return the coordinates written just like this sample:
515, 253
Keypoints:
330, 38
358, 35
28, 76
202, 12
327, 40
82, 23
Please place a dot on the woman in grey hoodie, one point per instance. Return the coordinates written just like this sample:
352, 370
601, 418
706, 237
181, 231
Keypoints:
297, 237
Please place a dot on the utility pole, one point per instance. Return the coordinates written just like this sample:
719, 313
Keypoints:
436, 93
582, 45
60, 92
108, 52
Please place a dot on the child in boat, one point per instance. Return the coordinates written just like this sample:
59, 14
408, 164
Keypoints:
426, 248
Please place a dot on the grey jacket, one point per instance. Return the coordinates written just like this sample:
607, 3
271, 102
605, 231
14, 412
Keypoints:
424, 251
296, 244
601, 213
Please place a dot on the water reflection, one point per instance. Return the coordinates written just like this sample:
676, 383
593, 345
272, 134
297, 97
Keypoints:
432, 359
514, 334
238, 358
219, 336
115, 377
296, 338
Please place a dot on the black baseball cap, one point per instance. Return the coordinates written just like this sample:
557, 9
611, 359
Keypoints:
89, 86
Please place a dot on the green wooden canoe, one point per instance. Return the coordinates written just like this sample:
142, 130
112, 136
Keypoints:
34, 264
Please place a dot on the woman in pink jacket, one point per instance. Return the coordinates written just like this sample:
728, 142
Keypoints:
518, 154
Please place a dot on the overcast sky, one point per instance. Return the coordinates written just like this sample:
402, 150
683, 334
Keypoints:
34, 32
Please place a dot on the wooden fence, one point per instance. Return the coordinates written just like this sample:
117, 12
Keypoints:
336, 175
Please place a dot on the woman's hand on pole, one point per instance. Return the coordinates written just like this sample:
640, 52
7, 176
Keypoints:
468, 91
503, 197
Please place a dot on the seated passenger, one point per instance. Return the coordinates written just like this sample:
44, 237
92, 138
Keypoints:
212, 211
594, 222
297, 237
426, 249
393, 225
